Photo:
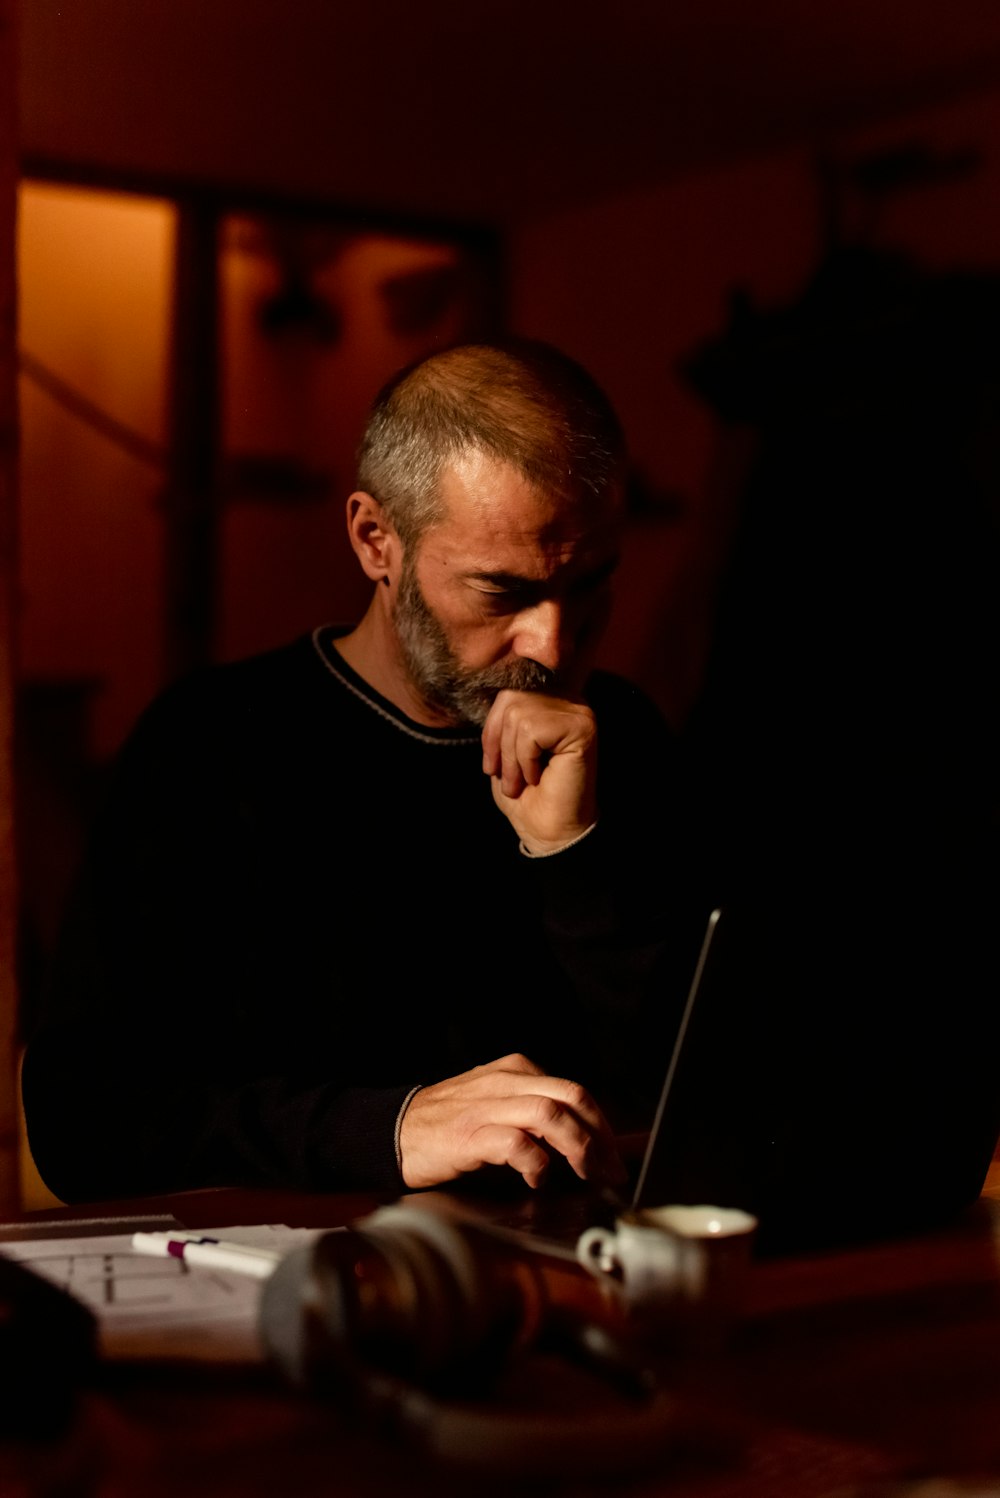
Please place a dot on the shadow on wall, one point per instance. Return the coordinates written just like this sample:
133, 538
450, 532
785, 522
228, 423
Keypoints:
849, 704
853, 671
847, 734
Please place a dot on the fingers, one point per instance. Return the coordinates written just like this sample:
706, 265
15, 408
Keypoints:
499, 1145
524, 748
506, 1113
518, 1076
541, 755
518, 1125
525, 729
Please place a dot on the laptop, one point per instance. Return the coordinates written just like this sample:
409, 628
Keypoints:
832, 1122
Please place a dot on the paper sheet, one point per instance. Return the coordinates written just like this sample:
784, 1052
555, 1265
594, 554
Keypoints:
149, 1307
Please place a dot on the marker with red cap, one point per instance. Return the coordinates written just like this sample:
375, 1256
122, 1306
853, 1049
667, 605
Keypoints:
201, 1251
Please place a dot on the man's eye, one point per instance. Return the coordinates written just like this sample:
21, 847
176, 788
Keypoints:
496, 594
498, 599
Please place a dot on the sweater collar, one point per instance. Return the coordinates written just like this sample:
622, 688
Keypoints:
322, 640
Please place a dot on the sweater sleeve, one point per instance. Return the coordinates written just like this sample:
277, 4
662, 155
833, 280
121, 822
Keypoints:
159, 1062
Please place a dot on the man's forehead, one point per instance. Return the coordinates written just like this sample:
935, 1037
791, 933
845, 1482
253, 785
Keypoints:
484, 499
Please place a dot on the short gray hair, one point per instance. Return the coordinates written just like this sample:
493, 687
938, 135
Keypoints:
519, 401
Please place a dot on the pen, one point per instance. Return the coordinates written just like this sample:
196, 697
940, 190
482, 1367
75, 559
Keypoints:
209, 1253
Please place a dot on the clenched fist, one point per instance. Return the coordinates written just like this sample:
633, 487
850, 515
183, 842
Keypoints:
541, 755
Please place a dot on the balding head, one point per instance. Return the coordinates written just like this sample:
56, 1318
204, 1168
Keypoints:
519, 402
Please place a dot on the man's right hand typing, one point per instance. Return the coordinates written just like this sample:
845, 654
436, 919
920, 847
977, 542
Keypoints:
508, 1112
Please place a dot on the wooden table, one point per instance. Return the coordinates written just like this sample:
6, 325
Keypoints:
858, 1373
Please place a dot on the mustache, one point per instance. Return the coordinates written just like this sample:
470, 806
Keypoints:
473, 693
517, 676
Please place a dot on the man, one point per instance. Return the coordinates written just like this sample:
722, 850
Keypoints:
342, 892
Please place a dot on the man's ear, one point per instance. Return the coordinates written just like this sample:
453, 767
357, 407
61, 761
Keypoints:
375, 542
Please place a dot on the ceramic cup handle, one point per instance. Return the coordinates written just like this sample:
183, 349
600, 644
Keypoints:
596, 1250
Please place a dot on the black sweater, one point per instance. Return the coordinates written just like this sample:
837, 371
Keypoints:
299, 904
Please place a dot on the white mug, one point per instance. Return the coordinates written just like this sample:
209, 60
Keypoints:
675, 1267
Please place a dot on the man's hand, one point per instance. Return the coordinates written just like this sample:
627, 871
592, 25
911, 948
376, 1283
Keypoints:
541, 753
506, 1113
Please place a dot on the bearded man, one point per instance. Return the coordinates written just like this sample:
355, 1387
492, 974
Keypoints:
371, 910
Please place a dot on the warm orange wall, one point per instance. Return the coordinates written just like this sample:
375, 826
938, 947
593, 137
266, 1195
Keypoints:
96, 279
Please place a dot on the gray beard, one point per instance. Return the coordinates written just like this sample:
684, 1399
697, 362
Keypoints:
464, 695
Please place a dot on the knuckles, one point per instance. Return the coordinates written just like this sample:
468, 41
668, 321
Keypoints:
577, 1097
516, 1061
529, 707
548, 1111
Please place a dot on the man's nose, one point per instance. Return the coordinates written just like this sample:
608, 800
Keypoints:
541, 635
